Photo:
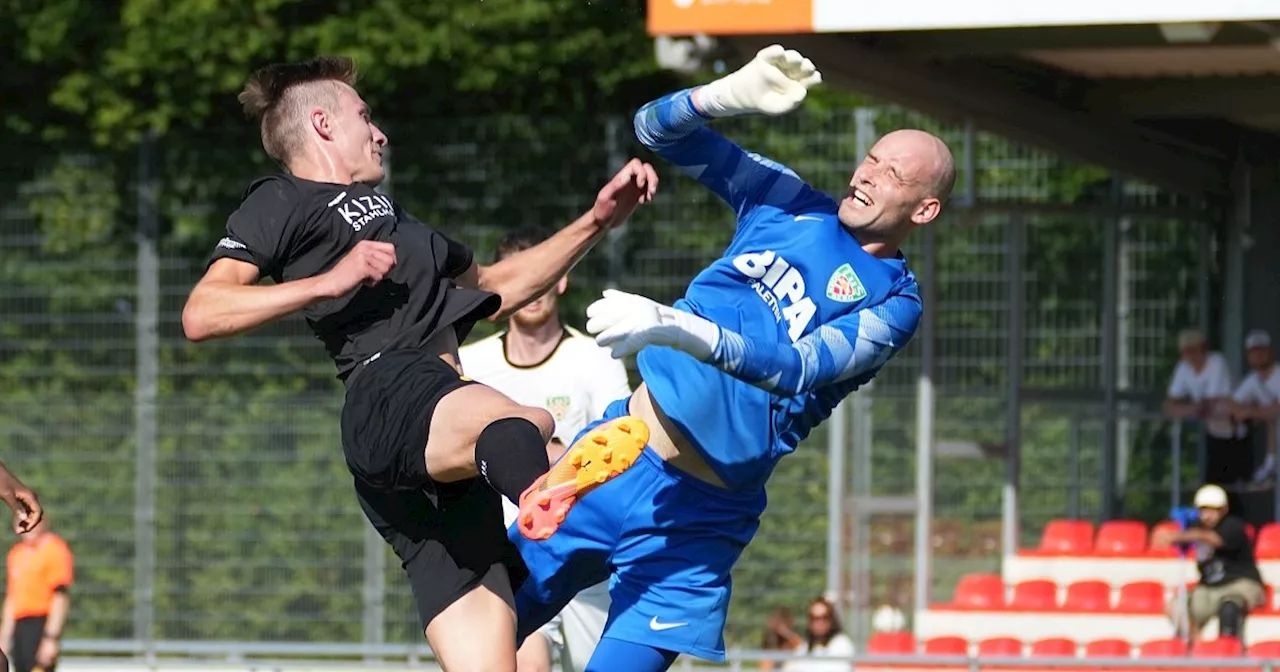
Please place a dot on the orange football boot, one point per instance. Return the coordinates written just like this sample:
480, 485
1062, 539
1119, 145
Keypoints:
601, 454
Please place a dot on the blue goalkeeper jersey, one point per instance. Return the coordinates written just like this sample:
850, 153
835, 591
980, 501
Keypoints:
806, 315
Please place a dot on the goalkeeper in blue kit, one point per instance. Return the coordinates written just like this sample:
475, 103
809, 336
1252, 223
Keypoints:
811, 298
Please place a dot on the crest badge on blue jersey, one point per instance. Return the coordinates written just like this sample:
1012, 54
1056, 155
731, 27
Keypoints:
844, 286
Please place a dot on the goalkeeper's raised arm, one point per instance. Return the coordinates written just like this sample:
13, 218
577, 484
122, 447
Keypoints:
775, 82
851, 347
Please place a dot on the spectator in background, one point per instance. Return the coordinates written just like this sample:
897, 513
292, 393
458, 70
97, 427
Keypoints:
36, 600
1201, 390
1230, 584
779, 635
824, 639
1258, 396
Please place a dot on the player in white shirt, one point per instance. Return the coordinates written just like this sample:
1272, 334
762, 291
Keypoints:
1258, 396
539, 361
1201, 389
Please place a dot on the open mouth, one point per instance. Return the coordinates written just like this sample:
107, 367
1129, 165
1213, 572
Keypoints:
860, 198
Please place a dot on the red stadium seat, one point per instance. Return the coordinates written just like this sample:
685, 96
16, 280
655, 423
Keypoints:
950, 646
1141, 597
1067, 537
1162, 550
1121, 537
1171, 647
1088, 596
1108, 648
979, 591
946, 646
1035, 595
1268, 542
1270, 649
1054, 647
1000, 647
891, 644
1270, 605
1222, 647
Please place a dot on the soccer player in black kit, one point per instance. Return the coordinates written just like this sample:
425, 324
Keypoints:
430, 450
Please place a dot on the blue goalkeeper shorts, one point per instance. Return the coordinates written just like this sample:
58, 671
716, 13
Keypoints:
666, 542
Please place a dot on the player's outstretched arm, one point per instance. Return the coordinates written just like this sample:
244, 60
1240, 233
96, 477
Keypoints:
776, 81
228, 301
522, 277
851, 346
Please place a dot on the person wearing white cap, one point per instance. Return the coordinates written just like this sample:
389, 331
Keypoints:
1201, 390
1230, 584
1258, 396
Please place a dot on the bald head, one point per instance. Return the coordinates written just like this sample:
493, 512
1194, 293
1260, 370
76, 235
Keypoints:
901, 184
937, 167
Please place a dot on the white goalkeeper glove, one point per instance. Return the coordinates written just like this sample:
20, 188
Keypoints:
774, 82
626, 323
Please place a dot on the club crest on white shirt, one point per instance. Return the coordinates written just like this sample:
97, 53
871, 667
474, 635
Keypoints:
558, 406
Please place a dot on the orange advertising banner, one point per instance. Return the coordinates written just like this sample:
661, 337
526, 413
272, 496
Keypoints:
727, 17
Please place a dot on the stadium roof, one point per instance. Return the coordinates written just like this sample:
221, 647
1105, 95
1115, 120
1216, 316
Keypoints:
1168, 90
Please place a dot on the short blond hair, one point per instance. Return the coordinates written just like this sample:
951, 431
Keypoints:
278, 96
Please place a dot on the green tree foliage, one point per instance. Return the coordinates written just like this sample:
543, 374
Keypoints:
116, 68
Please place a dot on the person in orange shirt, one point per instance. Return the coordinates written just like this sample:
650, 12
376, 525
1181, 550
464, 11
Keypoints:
36, 599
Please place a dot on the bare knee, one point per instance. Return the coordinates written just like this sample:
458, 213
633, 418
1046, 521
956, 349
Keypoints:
458, 421
539, 417
534, 655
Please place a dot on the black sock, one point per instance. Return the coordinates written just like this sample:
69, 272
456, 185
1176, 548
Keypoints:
511, 455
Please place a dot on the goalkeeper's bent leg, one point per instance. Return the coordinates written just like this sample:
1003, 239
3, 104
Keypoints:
615, 655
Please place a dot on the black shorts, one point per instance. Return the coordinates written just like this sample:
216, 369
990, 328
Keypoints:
450, 536
27, 635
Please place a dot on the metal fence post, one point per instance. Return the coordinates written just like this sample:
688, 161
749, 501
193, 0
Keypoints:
1202, 450
1110, 353
147, 369
1074, 467
1204, 298
1275, 488
925, 412
1206, 242
1175, 488
837, 445
861, 430
1013, 429
1124, 291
